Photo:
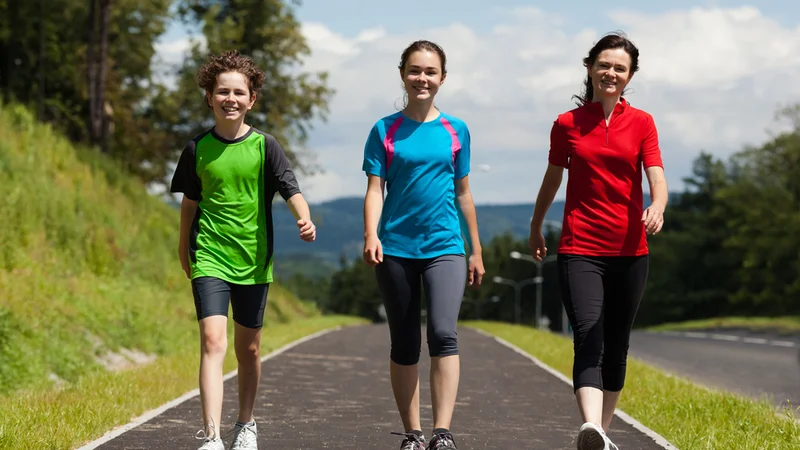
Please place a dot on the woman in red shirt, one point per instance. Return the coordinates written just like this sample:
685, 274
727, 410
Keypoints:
605, 143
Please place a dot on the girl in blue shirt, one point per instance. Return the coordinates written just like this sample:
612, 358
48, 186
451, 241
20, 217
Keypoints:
420, 157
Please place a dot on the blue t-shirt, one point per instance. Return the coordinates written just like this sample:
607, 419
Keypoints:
420, 162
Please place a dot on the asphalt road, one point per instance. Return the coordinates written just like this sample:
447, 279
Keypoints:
333, 392
754, 364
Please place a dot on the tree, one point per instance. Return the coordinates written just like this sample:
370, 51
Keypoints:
764, 201
45, 59
96, 71
267, 31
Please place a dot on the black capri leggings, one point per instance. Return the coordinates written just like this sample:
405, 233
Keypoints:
601, 296
400, 280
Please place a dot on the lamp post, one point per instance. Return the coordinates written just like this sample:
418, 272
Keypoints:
538, 280
477, 303
517, 285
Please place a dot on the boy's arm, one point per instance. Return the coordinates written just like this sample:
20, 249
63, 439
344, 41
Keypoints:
188, 211
186, 181
280, 175
299, 207
284, 181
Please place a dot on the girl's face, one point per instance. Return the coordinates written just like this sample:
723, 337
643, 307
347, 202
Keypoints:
422, 75
231, 98
610, 72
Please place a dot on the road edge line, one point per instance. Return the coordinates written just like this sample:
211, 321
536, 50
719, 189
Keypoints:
660, 440
116, 432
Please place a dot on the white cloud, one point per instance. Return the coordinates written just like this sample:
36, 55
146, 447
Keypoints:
709, 47
712, 78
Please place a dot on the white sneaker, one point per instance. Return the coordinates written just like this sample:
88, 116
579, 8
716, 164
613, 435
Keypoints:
245, 437
212, 442
592, 437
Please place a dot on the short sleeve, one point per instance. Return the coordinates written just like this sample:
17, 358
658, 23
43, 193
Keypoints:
651, 152
463, 156
374, 154
559, 146
278, 170
185, 178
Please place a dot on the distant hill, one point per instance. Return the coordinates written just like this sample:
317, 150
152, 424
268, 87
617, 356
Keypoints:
341, 230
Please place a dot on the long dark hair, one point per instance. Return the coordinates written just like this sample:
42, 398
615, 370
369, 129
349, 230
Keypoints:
610, 41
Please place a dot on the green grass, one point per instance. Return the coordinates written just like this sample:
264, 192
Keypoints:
787, 324
67, 418
88, 269
687, 415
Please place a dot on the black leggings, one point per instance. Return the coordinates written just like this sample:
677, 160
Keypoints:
400, 281
601, 296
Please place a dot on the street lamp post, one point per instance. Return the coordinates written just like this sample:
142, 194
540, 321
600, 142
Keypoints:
517, 285
478, 304
538, 280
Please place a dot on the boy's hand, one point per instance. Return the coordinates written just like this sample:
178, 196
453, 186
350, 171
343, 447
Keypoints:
308, 231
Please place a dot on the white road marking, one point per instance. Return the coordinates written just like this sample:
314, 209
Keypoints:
660, 440
193, 393
725, 337
729, 338
693, 334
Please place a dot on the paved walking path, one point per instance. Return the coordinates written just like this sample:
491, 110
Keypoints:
333, 392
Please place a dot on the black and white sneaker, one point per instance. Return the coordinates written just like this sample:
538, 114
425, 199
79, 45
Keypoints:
442, 441
412, 441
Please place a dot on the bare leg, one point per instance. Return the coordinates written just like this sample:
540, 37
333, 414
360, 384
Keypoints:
590, 404
445, 373
405, 384
247, 342
213, 345
610, 400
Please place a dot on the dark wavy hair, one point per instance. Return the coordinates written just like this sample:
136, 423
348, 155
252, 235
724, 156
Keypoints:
610, 41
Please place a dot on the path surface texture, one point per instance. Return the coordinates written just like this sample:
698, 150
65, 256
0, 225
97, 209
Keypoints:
333, 392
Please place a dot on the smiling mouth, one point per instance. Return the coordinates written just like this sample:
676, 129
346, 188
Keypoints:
230, 109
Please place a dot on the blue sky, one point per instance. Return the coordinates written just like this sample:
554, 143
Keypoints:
712, 74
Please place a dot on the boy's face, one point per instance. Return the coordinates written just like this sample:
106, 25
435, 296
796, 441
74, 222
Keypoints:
231, 98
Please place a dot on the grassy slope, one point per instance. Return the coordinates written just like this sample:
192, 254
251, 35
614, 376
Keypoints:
687, 415
88, 266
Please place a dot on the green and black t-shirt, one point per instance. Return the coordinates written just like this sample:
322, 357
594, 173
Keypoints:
234, 183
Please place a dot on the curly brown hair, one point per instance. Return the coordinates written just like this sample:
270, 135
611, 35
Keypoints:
230, 61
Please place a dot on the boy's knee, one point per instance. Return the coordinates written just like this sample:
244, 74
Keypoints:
214, 343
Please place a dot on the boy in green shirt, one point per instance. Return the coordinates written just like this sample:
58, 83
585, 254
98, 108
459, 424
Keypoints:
229, 176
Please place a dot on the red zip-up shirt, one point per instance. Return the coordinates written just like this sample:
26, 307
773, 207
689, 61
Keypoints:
604, 205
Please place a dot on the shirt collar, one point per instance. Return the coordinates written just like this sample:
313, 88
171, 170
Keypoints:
620, 107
